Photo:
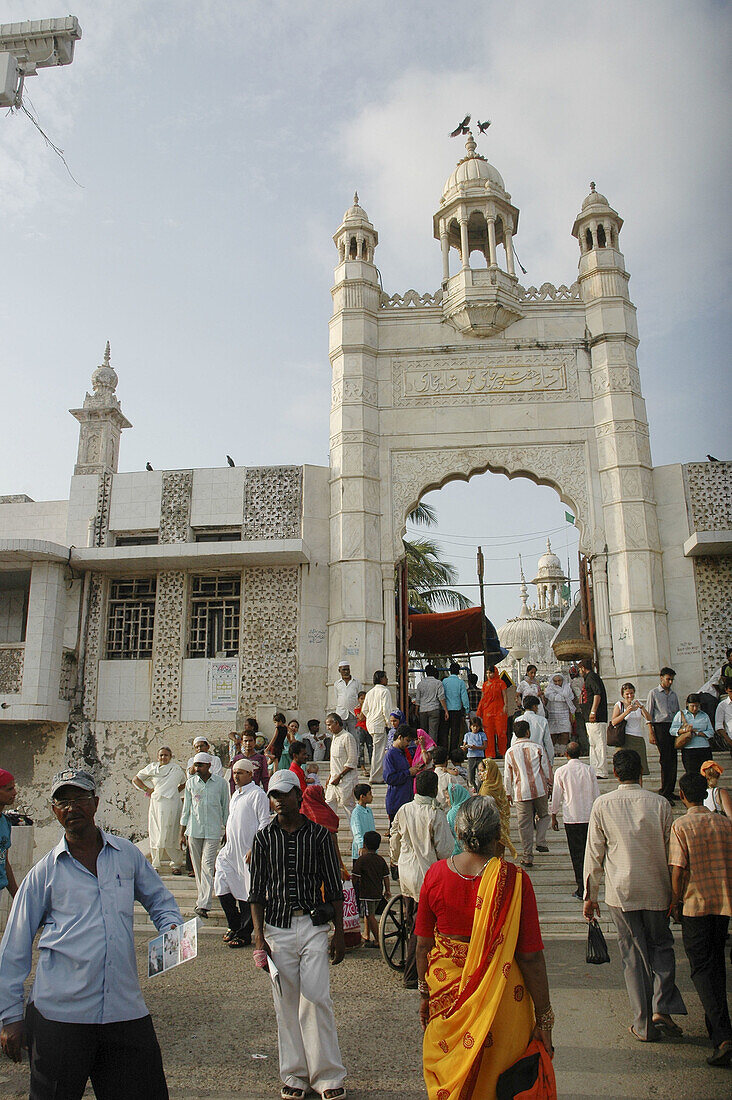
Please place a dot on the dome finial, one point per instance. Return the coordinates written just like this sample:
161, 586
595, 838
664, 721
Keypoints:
523, 592
355, 198
107, 353
549, 546
470, 144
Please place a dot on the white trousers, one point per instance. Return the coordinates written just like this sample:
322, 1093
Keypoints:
306, 1032
377, 757
340, 795
203, 857
596, 732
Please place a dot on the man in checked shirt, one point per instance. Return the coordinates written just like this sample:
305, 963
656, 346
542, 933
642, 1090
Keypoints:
295, 891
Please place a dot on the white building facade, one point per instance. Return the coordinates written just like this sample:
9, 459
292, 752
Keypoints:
156, 605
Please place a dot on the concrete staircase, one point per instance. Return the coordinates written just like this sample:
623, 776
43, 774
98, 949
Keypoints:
560, 914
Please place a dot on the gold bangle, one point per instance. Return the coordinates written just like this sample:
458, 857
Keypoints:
545, 1021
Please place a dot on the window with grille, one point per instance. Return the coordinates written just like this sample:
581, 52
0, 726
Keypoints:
214, 616
131, 619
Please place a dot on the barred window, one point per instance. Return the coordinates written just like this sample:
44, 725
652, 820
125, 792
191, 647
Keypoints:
131, 619
215, 603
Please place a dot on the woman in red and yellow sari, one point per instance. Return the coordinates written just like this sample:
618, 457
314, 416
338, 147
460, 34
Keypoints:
480, 962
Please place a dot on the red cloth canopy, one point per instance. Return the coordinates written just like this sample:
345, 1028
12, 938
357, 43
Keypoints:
448, 632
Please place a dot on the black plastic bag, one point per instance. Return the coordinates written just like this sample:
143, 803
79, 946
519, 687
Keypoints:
597, 951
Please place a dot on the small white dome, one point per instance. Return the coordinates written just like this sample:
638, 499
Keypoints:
594, 199
472, 170
356, 215
549, 566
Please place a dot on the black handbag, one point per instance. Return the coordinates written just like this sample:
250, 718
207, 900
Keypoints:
616, 735
597, 951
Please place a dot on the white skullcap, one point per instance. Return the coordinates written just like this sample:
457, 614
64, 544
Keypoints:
344, 663
202, 758
200, 741
243, 765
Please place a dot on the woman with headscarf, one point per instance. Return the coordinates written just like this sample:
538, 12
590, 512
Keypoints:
423, 753
458, 795
482, 974
317, 809
492, 787
560, 706
162, 782
492, 713
396, 719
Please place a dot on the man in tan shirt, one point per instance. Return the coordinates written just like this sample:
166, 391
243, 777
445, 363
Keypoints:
628, 839
700, 856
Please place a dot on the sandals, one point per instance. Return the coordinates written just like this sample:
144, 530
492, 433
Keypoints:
334, 1094
228, 935
640, 1038
668, 1028
290, 1092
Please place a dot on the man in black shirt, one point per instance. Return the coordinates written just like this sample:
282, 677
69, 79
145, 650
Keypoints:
594, 712
294, 874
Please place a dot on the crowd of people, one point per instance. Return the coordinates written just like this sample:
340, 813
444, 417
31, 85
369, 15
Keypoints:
263, 841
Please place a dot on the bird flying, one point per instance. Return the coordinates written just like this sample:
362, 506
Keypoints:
483, 126
462, 128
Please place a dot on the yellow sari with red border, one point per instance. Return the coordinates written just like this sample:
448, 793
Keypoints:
481, 1014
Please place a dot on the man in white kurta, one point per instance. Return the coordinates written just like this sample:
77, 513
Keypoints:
162, 782
248, 813
376, 709
343, 766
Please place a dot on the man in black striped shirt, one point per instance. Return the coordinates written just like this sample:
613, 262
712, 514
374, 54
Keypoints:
294, 870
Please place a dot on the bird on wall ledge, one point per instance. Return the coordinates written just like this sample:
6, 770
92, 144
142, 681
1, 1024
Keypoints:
148, 467
230, 460
711, 458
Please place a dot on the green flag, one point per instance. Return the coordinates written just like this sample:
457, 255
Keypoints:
569, 517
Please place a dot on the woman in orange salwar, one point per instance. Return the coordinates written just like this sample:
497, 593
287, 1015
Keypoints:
492, 713
480, 961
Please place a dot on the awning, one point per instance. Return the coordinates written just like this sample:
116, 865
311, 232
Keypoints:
451, 632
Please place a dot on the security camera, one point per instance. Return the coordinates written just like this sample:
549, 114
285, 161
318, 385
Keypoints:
32, 45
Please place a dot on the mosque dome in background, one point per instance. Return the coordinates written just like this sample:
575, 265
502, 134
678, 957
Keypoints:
530, 633
549, 567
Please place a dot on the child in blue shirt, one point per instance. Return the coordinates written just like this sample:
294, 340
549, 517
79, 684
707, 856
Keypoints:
474, 745
362, 817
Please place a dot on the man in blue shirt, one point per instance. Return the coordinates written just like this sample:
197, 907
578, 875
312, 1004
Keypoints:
202, 822
85, 1016
458, 706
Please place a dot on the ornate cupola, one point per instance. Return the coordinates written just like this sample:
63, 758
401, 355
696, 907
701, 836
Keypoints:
476, 215
356, 237
602, 265
101, 421
356, 282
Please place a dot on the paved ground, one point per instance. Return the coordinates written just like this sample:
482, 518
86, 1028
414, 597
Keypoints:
215, 1014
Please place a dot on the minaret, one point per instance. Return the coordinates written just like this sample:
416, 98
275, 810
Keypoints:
101, 423
632, 632
358, 590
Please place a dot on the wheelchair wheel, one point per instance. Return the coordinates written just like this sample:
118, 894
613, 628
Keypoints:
395, 928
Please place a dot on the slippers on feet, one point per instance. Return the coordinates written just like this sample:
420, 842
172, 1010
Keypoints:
668, 1028
334, 1094
640, 1038
289, 1092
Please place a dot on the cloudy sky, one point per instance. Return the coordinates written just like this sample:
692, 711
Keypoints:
216, 146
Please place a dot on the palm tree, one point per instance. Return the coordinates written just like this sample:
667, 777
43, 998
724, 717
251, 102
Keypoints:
430, 577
